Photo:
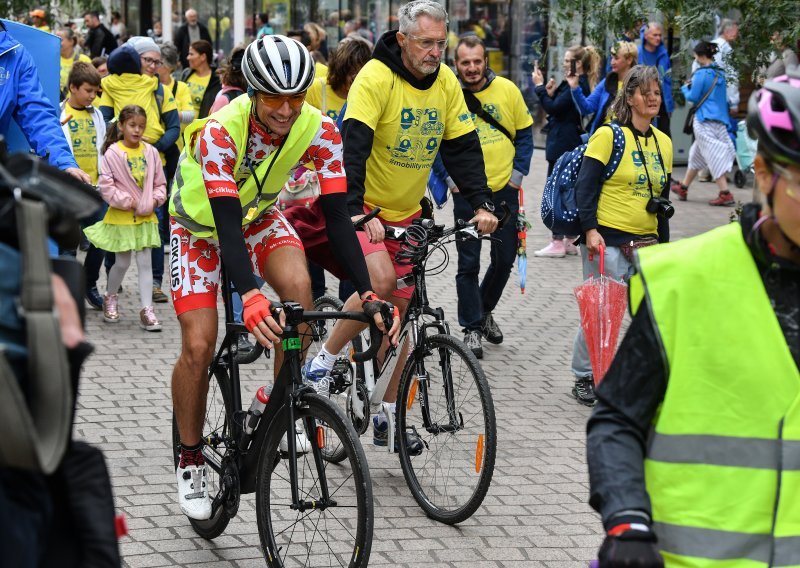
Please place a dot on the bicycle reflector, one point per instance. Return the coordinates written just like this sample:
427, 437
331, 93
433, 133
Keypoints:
412, 394
479, 454
320, 437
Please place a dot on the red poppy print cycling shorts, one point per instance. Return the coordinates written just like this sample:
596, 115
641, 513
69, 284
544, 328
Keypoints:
194, 263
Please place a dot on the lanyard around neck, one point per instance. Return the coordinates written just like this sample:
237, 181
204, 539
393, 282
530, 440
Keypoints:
644, 158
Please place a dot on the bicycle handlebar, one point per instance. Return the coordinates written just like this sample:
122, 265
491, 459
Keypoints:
375, 334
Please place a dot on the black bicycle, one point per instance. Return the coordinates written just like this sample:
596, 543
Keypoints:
310, 512
443, 394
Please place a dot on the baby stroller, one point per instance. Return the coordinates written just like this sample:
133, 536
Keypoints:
745, 155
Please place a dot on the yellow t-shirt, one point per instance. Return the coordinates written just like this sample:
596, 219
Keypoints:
197, 88
136, 162
624, 196
409, 125
134, 89
66, 67
320, 70
183, 99
83, 135
610, 111
503, 101
333, 103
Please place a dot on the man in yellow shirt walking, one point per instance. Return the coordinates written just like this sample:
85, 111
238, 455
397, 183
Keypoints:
504, 127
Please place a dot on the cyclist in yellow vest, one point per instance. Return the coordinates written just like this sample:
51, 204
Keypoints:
230, 173
694, 445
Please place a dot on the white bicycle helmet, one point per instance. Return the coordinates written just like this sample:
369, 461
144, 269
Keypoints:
278, 65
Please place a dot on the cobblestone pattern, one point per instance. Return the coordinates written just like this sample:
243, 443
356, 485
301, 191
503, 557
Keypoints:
536, 512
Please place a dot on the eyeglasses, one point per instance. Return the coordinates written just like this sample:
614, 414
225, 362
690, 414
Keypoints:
428, 44
276, 101
792, 181
151, 61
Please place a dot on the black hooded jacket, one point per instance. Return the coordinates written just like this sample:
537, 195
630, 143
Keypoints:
462, 156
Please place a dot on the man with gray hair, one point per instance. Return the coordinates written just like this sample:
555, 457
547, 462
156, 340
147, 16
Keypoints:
193, 30
654, 53
403, 109
728, 33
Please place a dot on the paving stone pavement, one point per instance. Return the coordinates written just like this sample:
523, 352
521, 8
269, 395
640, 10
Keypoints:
536, 512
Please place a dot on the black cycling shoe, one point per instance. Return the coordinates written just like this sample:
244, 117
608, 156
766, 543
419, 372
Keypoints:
490, 330
583, 391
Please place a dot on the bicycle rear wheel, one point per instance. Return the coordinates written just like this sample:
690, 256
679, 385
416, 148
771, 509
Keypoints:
333, 534
215, 436
451, 476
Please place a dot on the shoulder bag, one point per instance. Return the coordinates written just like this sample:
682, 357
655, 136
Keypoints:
688, 126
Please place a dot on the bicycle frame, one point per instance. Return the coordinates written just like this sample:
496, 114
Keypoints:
287, 392
414, 329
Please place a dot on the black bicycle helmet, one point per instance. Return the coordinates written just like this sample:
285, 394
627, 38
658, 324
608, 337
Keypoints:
278, 65
773, 117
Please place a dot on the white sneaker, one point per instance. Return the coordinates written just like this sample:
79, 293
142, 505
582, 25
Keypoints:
555, 249
569, 248
193, 492
301, 442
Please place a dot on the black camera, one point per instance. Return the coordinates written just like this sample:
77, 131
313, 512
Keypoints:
661, 206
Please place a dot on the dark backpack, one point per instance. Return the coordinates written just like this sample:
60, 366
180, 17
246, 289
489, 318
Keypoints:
559, 205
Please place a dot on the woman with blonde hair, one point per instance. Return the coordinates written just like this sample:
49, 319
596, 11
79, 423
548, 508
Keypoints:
623, 57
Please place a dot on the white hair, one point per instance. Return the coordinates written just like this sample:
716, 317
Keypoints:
409, 13
727, 24
190, 11
658, 25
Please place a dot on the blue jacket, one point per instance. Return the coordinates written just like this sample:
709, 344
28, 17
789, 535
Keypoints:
598, 102
716, 105
564, 120
22, 98
660, 60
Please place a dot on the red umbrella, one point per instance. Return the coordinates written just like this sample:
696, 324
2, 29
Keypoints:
602, 302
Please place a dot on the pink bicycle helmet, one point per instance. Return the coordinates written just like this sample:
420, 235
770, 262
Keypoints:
773, 117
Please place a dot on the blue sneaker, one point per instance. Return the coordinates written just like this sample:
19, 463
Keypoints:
319, 380
94, 299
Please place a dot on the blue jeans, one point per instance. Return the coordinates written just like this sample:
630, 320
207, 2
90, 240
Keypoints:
94, 256
238, 306
474, 300
617, 267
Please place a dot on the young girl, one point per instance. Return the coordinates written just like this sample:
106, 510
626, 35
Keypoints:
132, 183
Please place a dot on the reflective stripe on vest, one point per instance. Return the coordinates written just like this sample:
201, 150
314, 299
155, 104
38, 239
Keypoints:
723, 461
189, 203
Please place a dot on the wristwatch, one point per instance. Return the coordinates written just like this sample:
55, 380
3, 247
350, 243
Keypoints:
488, 205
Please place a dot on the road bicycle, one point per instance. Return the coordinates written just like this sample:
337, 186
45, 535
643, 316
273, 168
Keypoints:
443, 394
310, 512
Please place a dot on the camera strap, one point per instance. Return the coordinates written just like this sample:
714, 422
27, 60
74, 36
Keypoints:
35, 434
644, 159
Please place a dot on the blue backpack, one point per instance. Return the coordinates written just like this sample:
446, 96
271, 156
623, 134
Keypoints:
559, 206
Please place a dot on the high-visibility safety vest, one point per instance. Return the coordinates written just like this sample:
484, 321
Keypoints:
189, 204
723, 460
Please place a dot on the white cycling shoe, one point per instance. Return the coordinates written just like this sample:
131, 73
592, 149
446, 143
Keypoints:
301, 442
193, 492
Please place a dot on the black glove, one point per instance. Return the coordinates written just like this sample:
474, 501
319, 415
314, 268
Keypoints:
630, 549
372, 305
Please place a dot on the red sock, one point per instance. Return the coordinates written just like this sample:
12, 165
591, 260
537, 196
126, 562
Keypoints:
191, 455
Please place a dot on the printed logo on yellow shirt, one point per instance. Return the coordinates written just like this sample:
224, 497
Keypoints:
417, 140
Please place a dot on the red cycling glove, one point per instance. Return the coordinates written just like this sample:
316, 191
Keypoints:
256, 310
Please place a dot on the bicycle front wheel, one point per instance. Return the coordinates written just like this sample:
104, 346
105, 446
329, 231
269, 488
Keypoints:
453, 413
333, 533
